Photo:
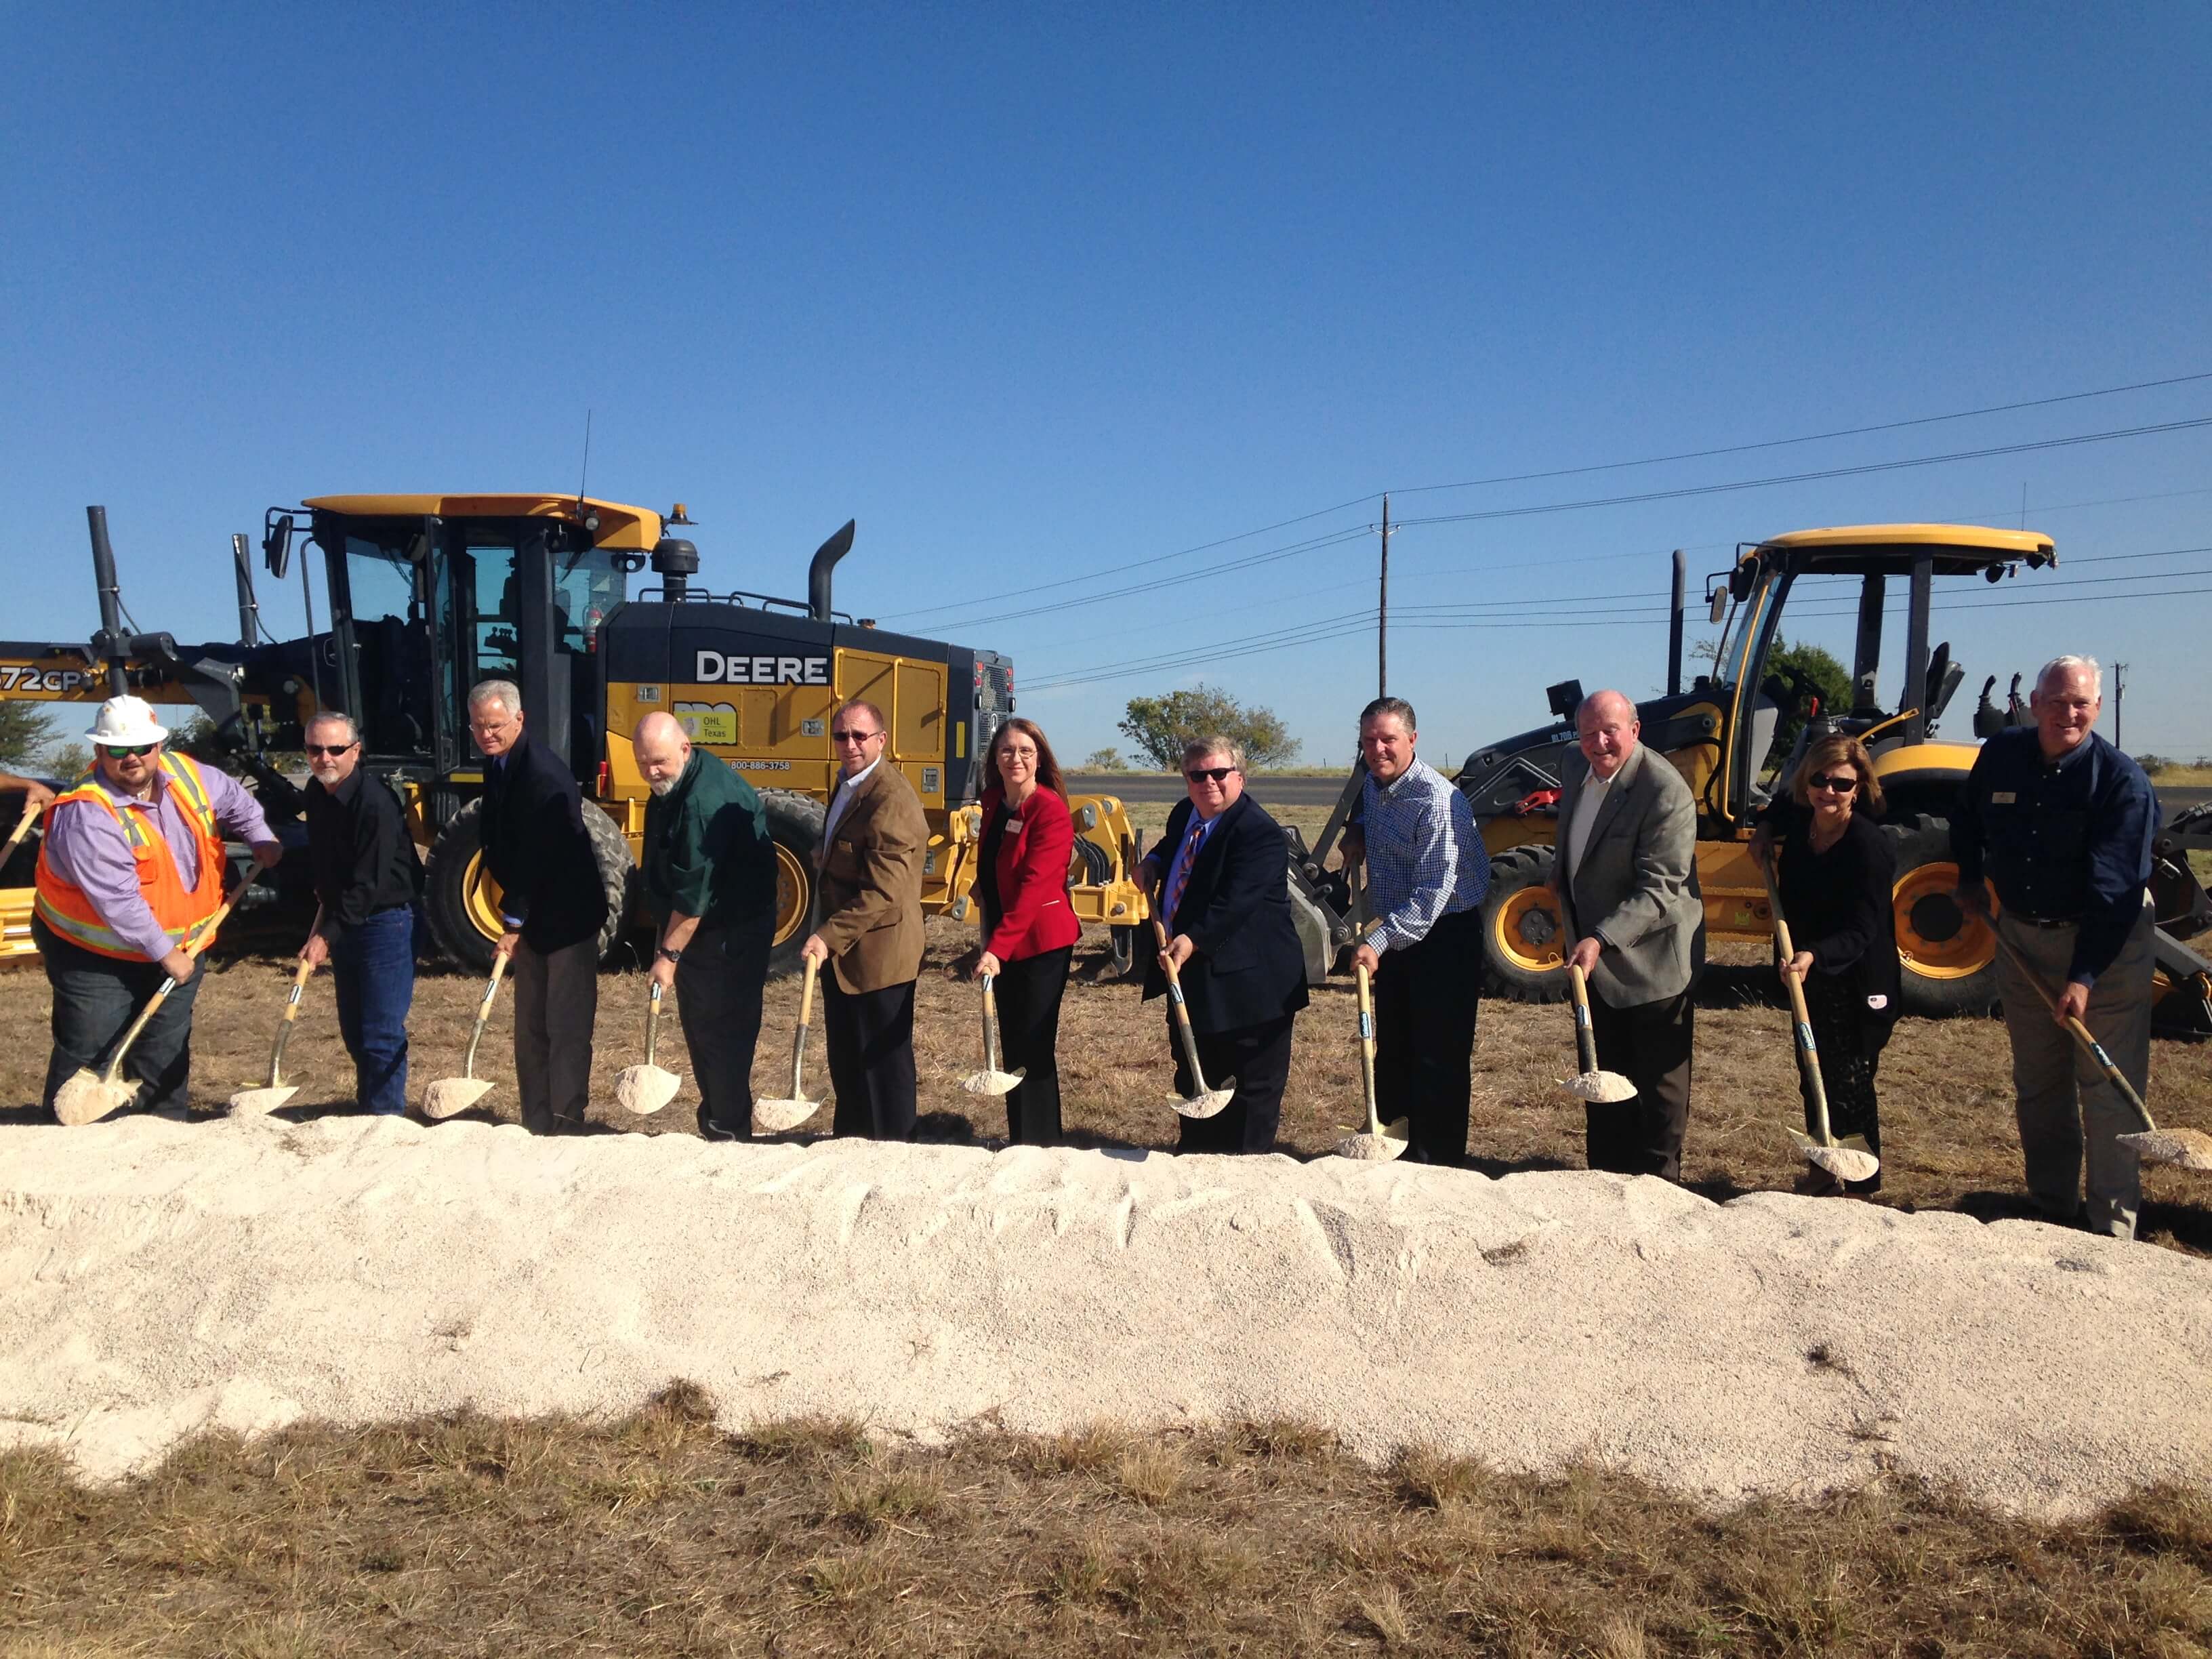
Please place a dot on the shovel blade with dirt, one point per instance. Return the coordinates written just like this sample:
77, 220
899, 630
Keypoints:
89, 1096
991, 1079
646, 1089
1607, 1088
451, 1095
774, 1117
1376, 1144
259, 1103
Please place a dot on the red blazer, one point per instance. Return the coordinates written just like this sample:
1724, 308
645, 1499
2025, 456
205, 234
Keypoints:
1032, 873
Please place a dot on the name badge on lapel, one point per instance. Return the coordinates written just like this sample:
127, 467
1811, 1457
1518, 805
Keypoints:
2002, 798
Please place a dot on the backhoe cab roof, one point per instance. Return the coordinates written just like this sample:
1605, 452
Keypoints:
1960, 549
622, 529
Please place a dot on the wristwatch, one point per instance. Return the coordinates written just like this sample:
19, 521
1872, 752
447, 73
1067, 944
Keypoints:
673, 956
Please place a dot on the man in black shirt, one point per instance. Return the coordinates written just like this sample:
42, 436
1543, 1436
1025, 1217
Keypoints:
367, 880
2060, 822
538, 849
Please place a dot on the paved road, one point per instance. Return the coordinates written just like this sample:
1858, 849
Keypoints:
1155, 788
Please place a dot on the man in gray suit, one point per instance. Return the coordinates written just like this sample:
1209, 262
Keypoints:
1627, 878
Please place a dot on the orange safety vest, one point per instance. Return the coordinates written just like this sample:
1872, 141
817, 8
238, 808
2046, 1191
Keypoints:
179, 910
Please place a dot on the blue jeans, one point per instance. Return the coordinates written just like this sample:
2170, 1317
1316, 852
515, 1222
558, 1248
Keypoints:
373, 966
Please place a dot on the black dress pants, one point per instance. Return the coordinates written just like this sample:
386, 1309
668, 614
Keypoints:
557, 1002
1028, 993
1851, 1041
1257, 1059
1426, 999
718, 986
1650, 1045
870, 1039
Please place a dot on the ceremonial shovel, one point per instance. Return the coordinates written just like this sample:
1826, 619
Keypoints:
457, 1094
88, 1096
1852, 1158
646, 1089
773, 1117
1377, 1144
254, 1103
1607, 1088
991, 1080
2185, 1149
1203, 1102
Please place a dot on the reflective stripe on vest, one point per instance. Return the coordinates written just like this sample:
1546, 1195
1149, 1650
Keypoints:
177, 911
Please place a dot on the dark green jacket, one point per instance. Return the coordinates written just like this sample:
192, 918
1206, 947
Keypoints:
707, 847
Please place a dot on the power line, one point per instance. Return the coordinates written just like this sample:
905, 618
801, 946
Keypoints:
1338, 538
1812, 438
1857, 470
1603, 466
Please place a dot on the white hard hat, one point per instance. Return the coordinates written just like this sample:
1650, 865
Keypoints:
125, 721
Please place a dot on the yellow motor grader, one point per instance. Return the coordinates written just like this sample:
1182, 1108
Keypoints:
426, 594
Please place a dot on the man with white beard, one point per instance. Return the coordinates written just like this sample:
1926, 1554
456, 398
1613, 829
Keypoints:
710, 871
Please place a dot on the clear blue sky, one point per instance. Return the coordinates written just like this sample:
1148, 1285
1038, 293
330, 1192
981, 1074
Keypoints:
1041, 292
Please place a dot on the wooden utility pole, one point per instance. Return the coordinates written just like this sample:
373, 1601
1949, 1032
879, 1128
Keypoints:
2119, 695
1383, 612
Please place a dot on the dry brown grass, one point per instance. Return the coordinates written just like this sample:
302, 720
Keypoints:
658, 1534
1948, 1135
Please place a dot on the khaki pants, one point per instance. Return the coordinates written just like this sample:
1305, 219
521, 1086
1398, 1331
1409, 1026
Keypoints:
2065, 1103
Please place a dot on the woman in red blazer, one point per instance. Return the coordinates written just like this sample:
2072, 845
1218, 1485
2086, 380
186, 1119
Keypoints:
1029, 931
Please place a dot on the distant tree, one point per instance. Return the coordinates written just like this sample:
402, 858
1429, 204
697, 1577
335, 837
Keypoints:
67, 759
1819, 665
1159, 726
26, 731
1105, 760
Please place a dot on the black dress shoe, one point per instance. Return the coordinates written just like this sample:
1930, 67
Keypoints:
712, 1130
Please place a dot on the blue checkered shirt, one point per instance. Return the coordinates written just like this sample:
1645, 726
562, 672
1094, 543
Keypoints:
1425, 859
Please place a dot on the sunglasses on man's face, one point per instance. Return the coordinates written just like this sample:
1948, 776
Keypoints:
1218, 774
1829, 781
844, 735
332, 750
126, 751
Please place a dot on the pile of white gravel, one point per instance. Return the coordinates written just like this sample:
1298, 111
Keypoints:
157, 1278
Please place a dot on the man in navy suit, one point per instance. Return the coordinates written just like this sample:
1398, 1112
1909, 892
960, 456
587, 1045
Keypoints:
1226, 901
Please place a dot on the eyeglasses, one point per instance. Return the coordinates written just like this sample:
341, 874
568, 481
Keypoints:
845, 735
1828, 780
1218, 774
127, 750
332, 750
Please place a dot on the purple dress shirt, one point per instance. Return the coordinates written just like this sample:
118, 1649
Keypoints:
88, 848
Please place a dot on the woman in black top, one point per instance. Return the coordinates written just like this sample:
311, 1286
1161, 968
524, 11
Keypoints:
1835, 873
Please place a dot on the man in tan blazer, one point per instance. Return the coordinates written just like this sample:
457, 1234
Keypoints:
870, 931
1627, 877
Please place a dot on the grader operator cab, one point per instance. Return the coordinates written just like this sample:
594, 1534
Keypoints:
1721, 735
430, 594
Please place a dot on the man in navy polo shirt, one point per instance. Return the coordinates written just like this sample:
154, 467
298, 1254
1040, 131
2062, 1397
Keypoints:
2060, 823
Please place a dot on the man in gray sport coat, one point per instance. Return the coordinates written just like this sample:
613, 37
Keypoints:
1627, 878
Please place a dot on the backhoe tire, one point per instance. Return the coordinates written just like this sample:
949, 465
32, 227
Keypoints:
1524, 940
1946, 961
794, 829
462, 901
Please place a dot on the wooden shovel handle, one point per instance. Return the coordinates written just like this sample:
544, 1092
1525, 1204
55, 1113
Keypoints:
1585, 1037
1367, 1045
23, 829
1809, 1056
2081, 1033
651, 1020
806, 994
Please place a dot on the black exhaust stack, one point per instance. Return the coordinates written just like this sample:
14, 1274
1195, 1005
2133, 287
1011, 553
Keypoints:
817, 571
1674, 608
108, 643
249, 608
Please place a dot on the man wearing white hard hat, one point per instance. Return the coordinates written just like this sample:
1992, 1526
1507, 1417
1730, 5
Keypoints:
131, 867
